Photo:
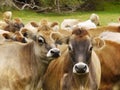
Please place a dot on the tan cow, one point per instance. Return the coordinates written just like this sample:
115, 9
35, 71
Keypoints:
7, 15
17, 36
14, 25
22, 65
97, 31
110, 62
78, 68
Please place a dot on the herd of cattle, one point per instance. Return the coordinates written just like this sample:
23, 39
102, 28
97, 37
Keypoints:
73, 55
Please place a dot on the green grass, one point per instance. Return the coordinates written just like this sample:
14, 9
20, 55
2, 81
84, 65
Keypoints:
110, 14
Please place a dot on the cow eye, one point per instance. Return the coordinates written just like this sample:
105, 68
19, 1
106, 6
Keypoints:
70, 48
90, 48
41, 40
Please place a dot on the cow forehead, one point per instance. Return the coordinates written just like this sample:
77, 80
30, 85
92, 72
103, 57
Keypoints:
46, 35
79, 38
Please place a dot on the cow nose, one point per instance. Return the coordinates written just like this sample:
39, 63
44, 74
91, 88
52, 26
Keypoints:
24, 40
54, 52
80, 68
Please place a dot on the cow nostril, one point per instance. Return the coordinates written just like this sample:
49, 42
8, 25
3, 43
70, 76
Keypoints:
52, 51
24, 41
55, 53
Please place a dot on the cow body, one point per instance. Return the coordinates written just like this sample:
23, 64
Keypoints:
97, 31
66, 73
110, 59
23, 65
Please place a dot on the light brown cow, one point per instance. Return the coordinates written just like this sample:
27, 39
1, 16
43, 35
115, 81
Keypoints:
97, 31
14, 25
22, 65
17, 36
110, 63
78, 68
7, 15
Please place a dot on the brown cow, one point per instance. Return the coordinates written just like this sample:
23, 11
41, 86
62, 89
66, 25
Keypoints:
14, 25
110, 63
78, 68
96, 31
17, 36
22, 65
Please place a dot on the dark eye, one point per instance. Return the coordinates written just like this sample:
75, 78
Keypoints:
90, 48
70, 48
41, 40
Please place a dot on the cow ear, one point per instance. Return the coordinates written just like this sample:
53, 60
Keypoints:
27, 33
6, 35
98, 43
34, 24
58, 38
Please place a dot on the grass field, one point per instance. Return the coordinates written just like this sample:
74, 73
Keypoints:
110, 14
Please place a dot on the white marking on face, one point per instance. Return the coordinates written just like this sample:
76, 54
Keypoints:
50, 54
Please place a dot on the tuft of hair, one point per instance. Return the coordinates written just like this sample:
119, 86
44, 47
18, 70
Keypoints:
80, 32
44, 28
18, 20
44, 22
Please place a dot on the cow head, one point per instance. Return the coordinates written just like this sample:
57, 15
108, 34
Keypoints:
17, 36
45, 44
14, 25
80, 49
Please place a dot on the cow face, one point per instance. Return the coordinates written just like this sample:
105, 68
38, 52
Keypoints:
17, 36
14, 26
45, 44
80, 49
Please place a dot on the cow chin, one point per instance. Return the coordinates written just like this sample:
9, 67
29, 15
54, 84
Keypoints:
80, 69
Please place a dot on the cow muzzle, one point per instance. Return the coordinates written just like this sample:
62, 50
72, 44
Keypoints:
54, 53
80, 68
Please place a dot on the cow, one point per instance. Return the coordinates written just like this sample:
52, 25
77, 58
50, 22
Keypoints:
97, 31
14, 25
22, 65
92, 22
78, 68
17, 36
67, 24
95, 19
7, 15
109, 58
32, 26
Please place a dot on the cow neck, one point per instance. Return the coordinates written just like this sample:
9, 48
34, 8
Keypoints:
39, 67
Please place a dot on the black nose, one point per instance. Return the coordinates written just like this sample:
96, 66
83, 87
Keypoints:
24, 40
55, 53
80, 68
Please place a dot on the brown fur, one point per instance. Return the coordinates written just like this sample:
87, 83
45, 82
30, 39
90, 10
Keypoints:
23, 65
14, 25
110, 60
53, 24
59, 74
96, 32
17, 36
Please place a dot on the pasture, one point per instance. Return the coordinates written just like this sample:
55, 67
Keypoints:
105, 16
